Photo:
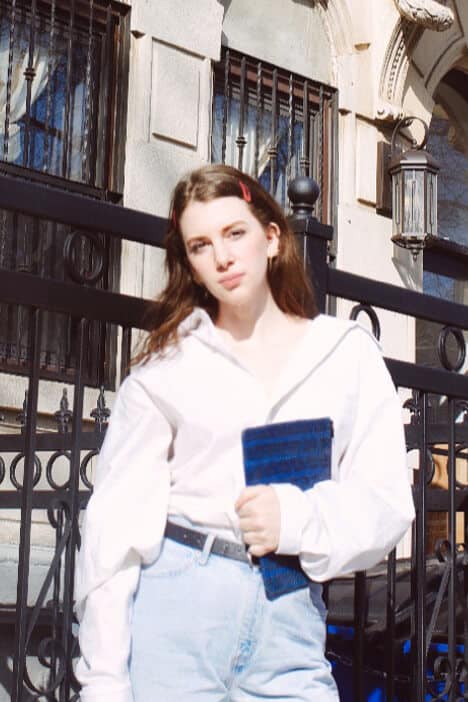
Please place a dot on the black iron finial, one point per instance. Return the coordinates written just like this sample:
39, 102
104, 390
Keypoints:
303, 193
21, 416
101, 413
413, 404
462, 406
64, 415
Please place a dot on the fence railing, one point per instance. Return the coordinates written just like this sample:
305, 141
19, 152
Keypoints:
405, 626
422, 652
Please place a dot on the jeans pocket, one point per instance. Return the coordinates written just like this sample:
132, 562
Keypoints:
174, 559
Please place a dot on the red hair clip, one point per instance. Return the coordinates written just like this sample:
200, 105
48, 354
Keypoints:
245, 191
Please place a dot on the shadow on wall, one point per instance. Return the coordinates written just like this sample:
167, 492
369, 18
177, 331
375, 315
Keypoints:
309, 3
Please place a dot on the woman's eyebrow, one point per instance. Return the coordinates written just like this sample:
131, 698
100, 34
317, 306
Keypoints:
233, 224
236, 223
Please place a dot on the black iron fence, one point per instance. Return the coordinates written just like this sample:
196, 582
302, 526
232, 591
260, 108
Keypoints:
63, 68
409, 620
400, 629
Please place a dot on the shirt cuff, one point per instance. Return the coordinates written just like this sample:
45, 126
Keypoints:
294, 513
107, 694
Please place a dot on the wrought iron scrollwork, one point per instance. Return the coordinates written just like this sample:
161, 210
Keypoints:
101, 413
21, 416
96, 257
55, 648
442, 676
64, 415
51, 649
442, 351
50, 467
2, 470
413, 404
371, 313
84, 468
14, 465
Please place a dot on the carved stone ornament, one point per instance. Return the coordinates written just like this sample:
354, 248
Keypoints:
427, 13
405, 37
388, 112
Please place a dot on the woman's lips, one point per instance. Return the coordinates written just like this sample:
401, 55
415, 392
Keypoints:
231, 281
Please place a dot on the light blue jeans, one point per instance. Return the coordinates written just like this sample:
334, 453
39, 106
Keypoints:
203, 631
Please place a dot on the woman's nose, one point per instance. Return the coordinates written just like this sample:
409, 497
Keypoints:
222, 255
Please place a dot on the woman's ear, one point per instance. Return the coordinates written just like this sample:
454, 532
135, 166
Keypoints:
196, 278
194, 274
273, 234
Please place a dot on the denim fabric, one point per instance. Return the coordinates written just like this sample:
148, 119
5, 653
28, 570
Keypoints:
203, 631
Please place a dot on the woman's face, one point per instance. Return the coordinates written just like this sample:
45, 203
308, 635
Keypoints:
228, 249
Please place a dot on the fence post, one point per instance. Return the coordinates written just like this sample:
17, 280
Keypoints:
313, 237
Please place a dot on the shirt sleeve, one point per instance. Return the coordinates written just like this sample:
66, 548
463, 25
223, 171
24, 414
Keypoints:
123, 526
104, 638
351, 523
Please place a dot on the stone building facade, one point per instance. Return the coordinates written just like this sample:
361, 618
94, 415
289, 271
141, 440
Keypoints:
308, 85
385, 59
374, 62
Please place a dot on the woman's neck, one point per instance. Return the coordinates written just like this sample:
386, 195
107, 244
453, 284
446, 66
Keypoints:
258, 319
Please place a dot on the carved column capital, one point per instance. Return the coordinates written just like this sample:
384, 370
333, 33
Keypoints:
388, 112
427, 13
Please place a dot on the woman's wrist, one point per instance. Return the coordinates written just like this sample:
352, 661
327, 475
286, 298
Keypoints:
294, 515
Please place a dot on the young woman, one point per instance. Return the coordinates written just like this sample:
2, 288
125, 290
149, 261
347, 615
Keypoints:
169, 594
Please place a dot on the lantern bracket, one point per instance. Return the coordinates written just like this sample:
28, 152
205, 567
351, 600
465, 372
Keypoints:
403, 124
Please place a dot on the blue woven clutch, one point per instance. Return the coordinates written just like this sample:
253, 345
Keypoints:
296, 452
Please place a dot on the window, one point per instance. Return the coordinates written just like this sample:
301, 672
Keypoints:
63, 73
275, 125
59, 87
445, 266
446, 263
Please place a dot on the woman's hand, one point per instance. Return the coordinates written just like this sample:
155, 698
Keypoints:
258, 509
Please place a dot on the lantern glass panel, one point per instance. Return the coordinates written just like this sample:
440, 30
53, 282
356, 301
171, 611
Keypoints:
396, 202
413, 207
431, 200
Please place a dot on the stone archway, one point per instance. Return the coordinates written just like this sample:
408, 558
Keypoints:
421, 23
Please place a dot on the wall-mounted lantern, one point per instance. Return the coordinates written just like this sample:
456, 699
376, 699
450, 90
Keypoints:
414, 192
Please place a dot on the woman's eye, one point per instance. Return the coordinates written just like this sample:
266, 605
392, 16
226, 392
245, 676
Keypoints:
195, 248
236, 233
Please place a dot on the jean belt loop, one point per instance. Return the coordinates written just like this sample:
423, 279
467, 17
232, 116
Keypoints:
205, 554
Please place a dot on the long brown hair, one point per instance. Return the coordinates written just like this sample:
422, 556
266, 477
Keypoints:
289, 285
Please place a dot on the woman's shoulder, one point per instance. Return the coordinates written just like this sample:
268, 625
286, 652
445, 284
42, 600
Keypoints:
173, 353
347, 333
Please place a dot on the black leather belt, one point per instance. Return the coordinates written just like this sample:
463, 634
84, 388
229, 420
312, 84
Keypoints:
196, 539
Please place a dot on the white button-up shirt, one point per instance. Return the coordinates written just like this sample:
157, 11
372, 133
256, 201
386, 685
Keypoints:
173, 447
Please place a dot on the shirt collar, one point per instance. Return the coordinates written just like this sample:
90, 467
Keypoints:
324, 334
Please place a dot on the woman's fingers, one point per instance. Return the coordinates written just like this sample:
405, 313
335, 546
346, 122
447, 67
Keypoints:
249, 537
259, 518
250, 528
248, 494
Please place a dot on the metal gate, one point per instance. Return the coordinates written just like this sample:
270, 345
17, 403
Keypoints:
412, 641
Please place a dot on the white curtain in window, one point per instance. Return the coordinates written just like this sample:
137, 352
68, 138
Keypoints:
18, 89
284, 170
248, 160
